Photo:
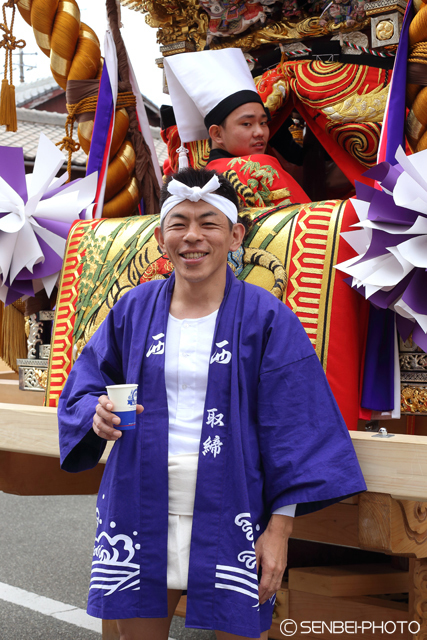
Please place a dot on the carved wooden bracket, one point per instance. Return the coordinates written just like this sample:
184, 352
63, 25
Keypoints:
393, 526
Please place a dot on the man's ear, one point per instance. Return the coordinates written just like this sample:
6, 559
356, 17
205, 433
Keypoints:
238, 233
159, 238
215, 133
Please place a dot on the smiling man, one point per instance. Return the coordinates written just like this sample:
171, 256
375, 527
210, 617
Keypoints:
201, 495
213, 93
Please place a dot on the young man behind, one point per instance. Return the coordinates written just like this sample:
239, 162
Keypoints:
213, 93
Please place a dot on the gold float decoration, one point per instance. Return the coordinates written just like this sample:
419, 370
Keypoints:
384, 30
186, 20
414, 399
177, 21
286, 30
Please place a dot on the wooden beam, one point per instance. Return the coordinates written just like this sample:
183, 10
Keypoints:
11, 393
397, 465
24, 474
337, 524
418, 596
351, 580
393, 526
31, 429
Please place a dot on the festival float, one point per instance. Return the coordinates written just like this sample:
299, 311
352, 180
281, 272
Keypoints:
345, 84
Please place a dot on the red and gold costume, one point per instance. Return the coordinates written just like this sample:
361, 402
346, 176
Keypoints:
259, 179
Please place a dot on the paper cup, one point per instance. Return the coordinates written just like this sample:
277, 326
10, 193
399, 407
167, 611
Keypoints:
123, 397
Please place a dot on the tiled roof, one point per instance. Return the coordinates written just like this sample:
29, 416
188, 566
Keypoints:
30, 90
31, 94
32, 122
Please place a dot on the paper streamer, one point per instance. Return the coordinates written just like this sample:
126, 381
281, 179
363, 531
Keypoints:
36, 213
391, 266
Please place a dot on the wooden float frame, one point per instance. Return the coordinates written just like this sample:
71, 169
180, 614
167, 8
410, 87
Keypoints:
396, 466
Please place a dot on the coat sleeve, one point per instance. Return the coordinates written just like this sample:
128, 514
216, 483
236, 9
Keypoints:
99, 364
307, 453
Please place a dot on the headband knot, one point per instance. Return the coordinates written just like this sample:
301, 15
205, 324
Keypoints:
181, 192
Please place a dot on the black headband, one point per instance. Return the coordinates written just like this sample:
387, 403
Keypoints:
226, 106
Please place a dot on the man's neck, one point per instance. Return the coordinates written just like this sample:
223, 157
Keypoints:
216, 153
197, 299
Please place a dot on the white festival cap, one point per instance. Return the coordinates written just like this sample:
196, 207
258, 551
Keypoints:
205, 87
181, 192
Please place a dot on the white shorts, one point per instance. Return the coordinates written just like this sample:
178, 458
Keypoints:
182, 472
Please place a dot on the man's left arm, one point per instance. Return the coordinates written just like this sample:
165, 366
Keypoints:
271, 551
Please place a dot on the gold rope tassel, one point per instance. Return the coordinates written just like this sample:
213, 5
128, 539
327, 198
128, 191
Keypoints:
13, 122
13, 342
4, 102
7, 95
8, 106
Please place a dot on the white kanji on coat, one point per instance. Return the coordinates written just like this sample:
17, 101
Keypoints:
157, 348
223, 356
214, 419
212, 446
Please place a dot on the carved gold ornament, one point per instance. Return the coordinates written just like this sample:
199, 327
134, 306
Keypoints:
178, 20
414, 400
27, 325
41, 377
384, 30
286, 30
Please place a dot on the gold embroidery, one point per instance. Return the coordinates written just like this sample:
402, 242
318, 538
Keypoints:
243, 191
270, 262
315, 76
280, 194
261, 178
367, 107
278, 95
309, 226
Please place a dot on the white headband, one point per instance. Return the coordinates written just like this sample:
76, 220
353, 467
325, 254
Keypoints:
181, 192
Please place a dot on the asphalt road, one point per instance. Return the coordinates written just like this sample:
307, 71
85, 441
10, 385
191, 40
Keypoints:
45, 550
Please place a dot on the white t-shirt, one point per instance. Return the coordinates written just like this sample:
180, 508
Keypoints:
187, 351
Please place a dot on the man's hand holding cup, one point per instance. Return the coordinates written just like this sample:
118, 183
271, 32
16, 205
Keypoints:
116, 412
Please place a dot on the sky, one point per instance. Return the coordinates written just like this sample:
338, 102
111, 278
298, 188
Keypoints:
139, 38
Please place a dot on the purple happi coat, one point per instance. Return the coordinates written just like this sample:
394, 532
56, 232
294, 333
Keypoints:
272, 436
